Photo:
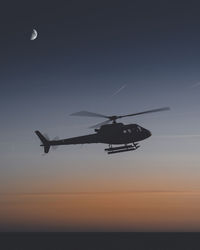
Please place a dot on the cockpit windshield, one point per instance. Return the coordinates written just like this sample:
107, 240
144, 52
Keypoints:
131, 130
139, 128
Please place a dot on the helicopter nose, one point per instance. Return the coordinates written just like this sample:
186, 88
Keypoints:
148, 133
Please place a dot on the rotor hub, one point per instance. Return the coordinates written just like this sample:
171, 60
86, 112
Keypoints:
113, 118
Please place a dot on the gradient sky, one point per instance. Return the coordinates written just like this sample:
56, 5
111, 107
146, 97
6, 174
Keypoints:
87, 51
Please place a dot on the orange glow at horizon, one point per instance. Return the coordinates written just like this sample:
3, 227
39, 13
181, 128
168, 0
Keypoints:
114, 211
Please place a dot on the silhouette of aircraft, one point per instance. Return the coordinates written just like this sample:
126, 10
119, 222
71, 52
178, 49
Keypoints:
126, 136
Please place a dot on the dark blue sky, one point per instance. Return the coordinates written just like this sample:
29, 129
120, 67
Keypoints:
85, 45
85, 52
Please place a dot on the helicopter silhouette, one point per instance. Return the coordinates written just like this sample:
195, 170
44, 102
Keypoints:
115, 133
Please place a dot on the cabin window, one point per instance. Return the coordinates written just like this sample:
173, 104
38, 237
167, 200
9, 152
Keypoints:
124, 131
129, 130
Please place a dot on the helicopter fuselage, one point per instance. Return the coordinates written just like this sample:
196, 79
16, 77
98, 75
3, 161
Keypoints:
116, 133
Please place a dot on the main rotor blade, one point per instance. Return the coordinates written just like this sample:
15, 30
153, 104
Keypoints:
89, 114
56, 138
100, 124
146, 112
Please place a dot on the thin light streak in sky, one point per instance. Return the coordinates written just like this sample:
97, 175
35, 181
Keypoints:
196, 85
176, 136
119, 90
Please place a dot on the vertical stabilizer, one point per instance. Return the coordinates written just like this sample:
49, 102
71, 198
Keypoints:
45, 142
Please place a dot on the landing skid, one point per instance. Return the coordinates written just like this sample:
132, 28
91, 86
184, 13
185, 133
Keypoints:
121, 149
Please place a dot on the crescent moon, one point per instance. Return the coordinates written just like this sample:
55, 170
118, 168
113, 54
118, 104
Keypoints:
34, 35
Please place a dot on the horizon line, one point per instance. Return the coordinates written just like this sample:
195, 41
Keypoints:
99, 192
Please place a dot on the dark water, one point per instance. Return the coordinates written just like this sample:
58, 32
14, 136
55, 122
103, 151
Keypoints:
100, 241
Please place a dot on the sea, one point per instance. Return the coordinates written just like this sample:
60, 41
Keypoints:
99, 241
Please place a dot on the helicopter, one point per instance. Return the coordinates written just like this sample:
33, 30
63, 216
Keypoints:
124, 136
